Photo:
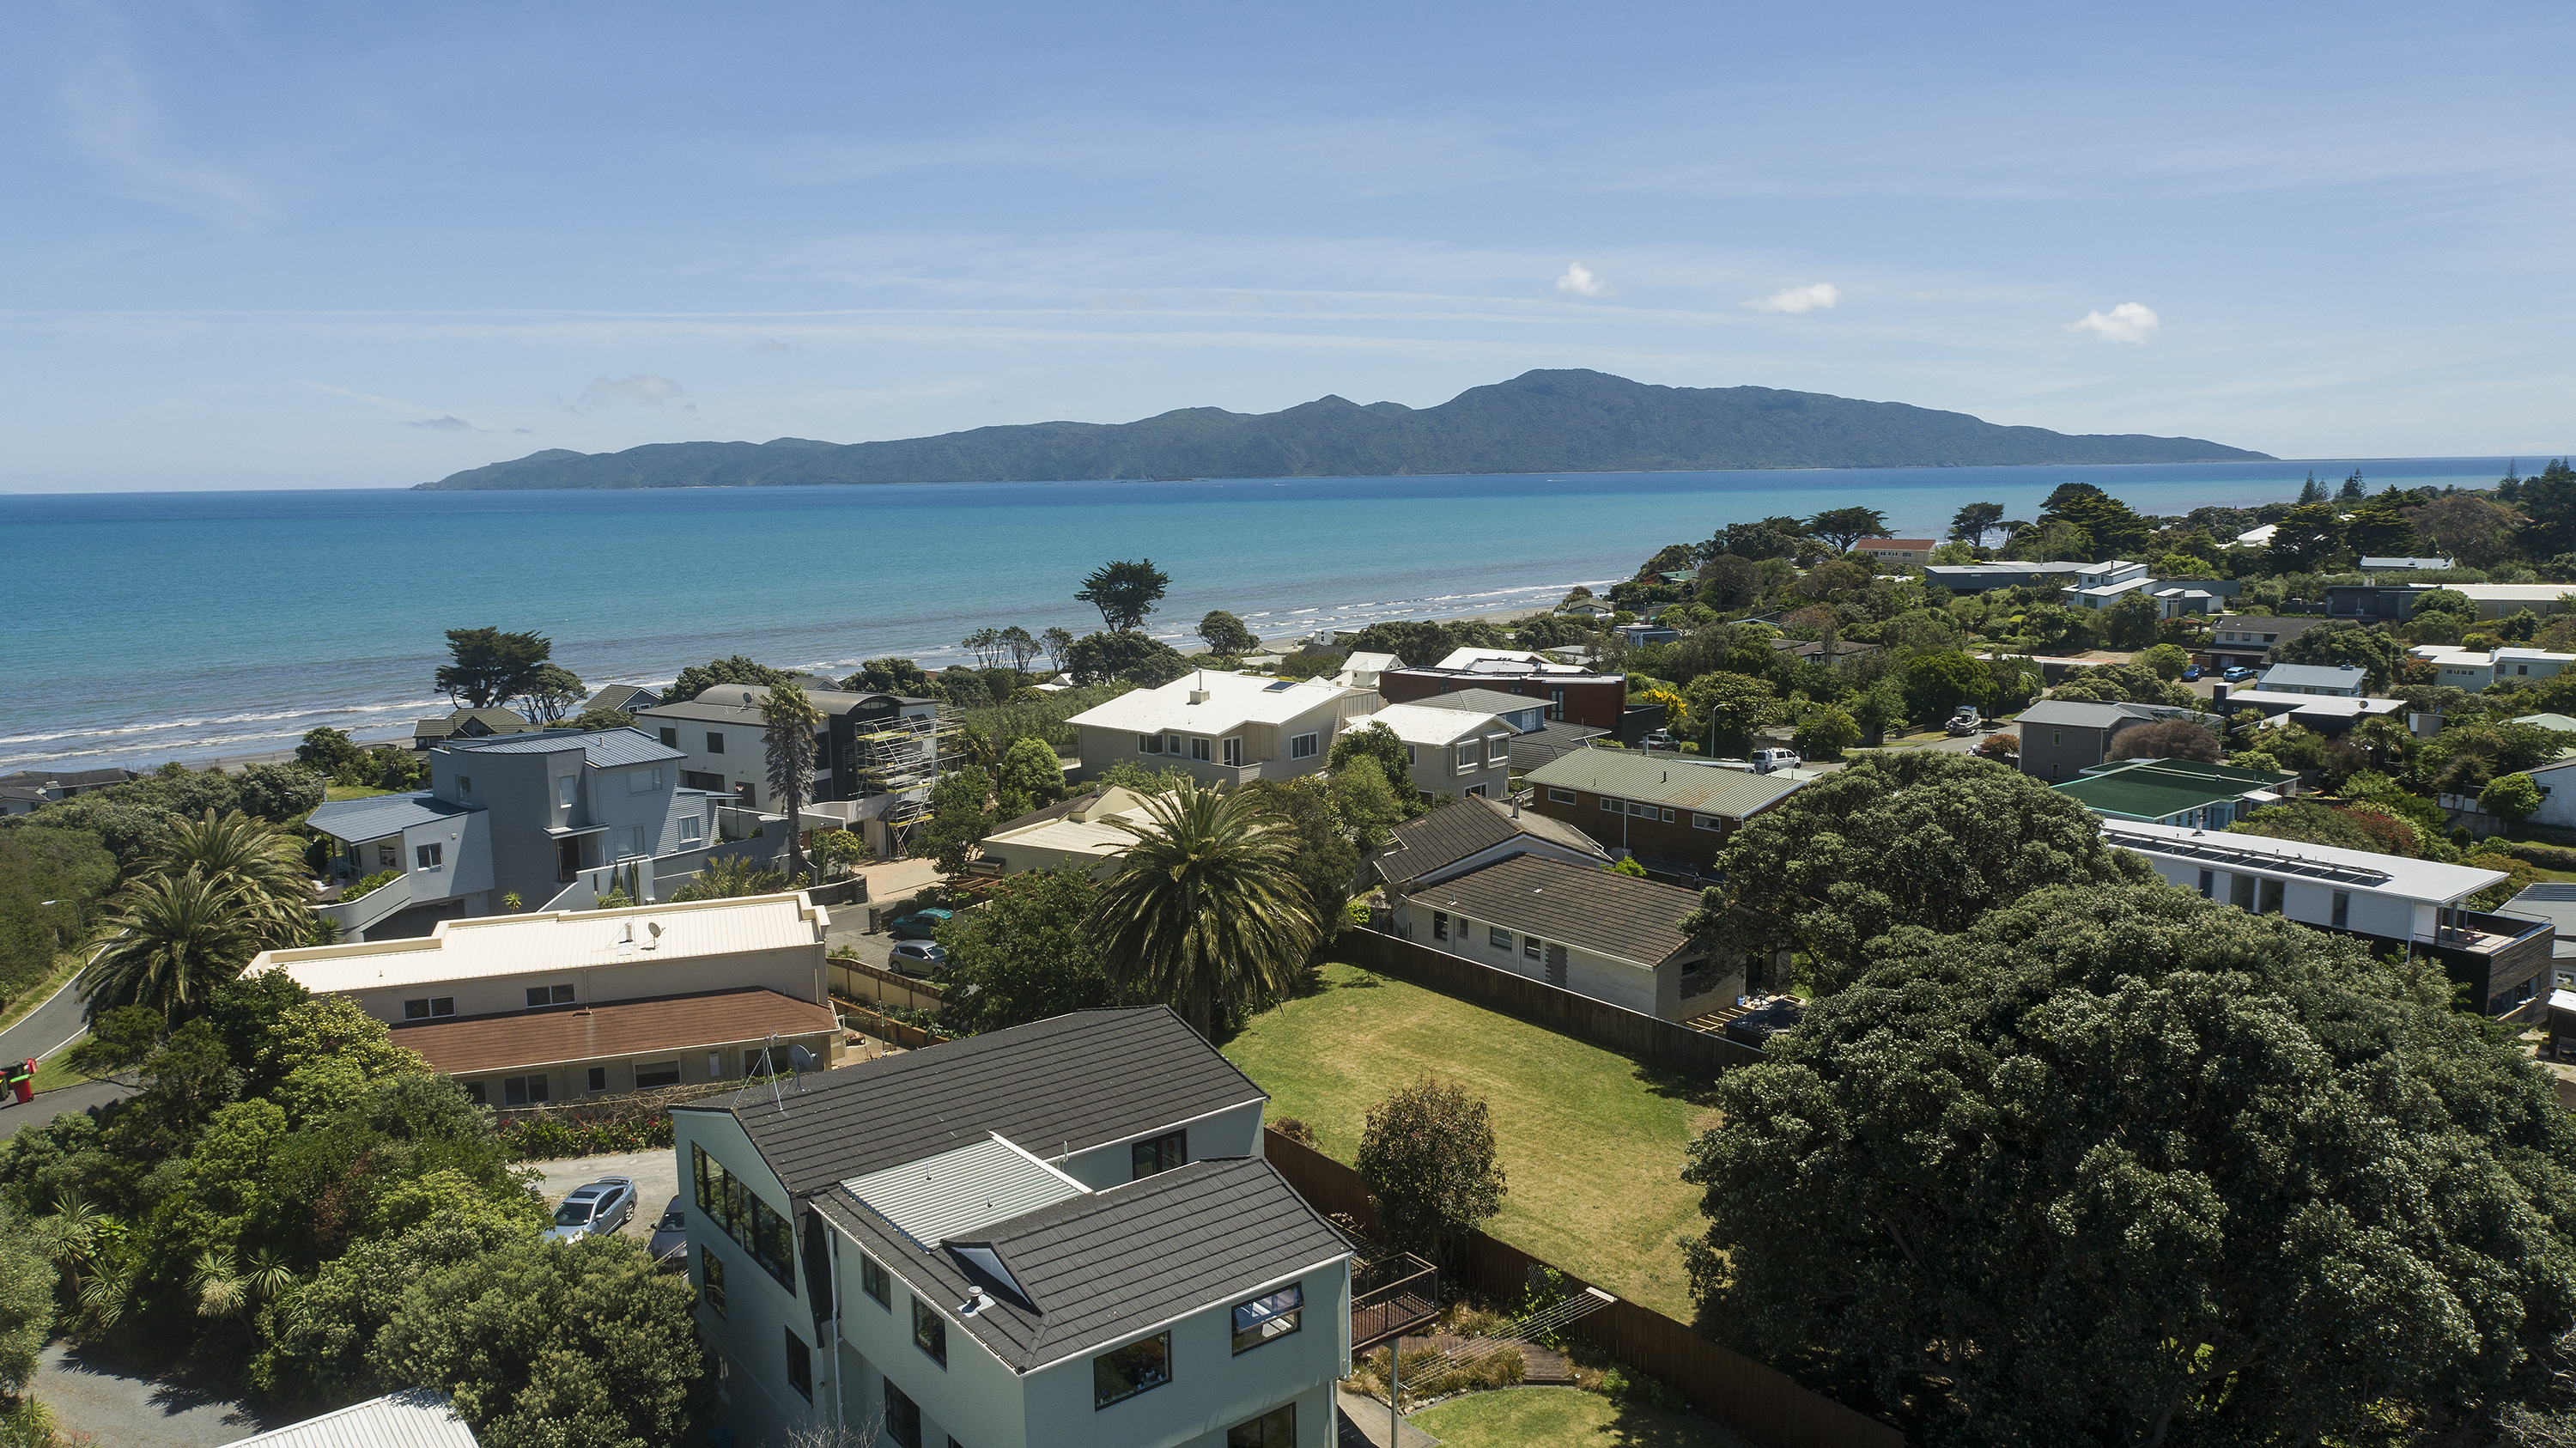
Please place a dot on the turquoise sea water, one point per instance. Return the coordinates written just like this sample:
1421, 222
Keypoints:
155, 626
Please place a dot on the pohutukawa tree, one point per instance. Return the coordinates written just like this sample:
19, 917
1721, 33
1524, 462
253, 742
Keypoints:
1124, 592
1206, 911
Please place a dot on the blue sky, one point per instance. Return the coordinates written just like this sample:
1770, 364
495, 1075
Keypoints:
308, 246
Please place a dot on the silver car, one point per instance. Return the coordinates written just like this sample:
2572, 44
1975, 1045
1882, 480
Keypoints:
601, 1207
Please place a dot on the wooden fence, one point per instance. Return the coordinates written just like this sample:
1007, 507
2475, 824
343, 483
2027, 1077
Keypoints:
1655, 1042
856, 980
1724, 1385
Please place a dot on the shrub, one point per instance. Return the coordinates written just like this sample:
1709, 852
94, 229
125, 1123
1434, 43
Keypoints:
1294, 1129
371, 884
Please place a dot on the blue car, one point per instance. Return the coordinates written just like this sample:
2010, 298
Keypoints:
2237, 675
2190, 673
919, 925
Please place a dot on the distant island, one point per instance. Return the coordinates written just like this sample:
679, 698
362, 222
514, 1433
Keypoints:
1538, 422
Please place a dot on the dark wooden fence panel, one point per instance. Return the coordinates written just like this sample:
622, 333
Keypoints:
1668, 1044
1726, 1385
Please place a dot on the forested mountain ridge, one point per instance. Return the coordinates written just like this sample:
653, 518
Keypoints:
1538, 422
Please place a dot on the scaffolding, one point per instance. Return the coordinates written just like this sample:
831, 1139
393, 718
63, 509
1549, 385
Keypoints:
901, 754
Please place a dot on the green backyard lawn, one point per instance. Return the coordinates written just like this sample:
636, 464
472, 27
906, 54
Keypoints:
1592, 1143
351, 791
1562, 1418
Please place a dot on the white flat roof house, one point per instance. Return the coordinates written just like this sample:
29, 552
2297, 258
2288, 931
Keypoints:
2342, 679
1058, 1234
1081, 831
2498, 600
1221, 728
567, 1004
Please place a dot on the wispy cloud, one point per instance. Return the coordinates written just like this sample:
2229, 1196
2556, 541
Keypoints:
110, 112
1580, 281
1798, 301
771, 344
644, 389
2128, 322
416, 415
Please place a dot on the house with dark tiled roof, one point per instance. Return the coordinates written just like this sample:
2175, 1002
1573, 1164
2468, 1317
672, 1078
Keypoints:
21, 792
1059, 1233
471, 724
627, 698
1578, 926
1471, 834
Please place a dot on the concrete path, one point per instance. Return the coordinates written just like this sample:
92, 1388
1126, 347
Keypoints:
112, 1401
1364, 1422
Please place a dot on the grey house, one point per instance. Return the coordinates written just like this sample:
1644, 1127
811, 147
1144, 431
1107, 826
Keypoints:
556, 818
2060, 739
1058, 1234
2247, 640
875, 755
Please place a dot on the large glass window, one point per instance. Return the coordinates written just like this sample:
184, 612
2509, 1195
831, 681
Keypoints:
1274, 1429
872, 1281
711, 1273
567, 789
738, 1210
1160, 1154
930, 1332
1265, 1318
903, 1417
1138, 1367
1302, 747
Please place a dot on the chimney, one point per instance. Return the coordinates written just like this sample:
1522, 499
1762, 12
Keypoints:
1198, 696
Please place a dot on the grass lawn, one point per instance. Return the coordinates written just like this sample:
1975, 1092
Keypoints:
1592, 1142
1563, 1418
351, 791
52, 1074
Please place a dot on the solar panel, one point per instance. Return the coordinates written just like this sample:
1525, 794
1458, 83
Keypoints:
2258, 859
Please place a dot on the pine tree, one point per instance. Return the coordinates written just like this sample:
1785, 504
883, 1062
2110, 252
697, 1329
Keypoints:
2352, 490
2314, 491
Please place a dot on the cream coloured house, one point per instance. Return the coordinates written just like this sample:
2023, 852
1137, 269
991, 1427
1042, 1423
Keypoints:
1220, 728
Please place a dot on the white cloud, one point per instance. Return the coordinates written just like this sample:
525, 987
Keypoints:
448, 422
1580, 281
1798, 301
423, 417
643, 389
2128, 322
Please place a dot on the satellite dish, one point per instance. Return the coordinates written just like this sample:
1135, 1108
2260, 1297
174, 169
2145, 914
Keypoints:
800, 1058
655, 926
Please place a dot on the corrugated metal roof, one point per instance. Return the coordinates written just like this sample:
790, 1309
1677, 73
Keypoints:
503, 945
413, 1418
460, 1044
1233, 699
603, 749
1665, 779
360, 820
958, 1191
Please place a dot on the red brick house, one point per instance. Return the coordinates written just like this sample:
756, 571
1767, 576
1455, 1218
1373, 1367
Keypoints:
1672, 812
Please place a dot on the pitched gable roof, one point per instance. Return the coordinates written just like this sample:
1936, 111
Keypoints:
1468, 828
1582, 906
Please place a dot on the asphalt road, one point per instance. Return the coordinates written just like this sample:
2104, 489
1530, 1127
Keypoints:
46, 1029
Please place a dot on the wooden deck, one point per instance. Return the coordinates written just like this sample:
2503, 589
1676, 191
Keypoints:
1391, 1316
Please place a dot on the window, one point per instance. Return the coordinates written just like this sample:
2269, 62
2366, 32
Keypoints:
1497, 937
698, 779
1234, 753
1199, 749
2342, 909
388, 854
2056, 736
598, 1078
520, 1090
930, 1332
873, 1281
2240, 891
643, 781
1439, 924
429, 856
549, 995
733, 1206
1559, 796
1609, 805
1149, 743
1302, 747
464, 784
1480, 791
430, 1009
630, 841
1138, 1367
902, 1417
1162, 1153
1707, 822
657, 1073
715, 1065
2208, 883
715, 742
474, 1093
1466, 754
2271, 898
800, 1365
1265, 1318
693, 831
670, 737
711, 1272
1172, 745
567, 789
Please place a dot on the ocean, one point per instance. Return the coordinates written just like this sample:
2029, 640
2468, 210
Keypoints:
156, 626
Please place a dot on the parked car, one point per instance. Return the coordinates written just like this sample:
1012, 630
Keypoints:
1965, 721
2190, 673
2237, 674
919, 925
918, 957
603, 1206
1767, 760
671, 1233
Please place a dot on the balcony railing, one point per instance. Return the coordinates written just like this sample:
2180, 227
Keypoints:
1391, 1297
2483, 933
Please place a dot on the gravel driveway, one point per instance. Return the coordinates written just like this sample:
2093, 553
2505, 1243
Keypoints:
656, 1173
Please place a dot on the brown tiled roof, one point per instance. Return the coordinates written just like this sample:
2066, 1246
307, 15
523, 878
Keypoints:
1590, 909
619, 1028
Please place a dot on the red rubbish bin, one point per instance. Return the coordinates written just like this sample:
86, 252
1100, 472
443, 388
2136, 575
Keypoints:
23, 1081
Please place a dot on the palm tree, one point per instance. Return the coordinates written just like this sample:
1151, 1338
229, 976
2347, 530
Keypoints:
168, 942
730, 877
262, 866
789, 737
1206, 910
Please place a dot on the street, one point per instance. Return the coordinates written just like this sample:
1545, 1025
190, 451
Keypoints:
46, 1029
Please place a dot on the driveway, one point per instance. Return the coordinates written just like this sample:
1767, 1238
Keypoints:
656, 1173
112, 1400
